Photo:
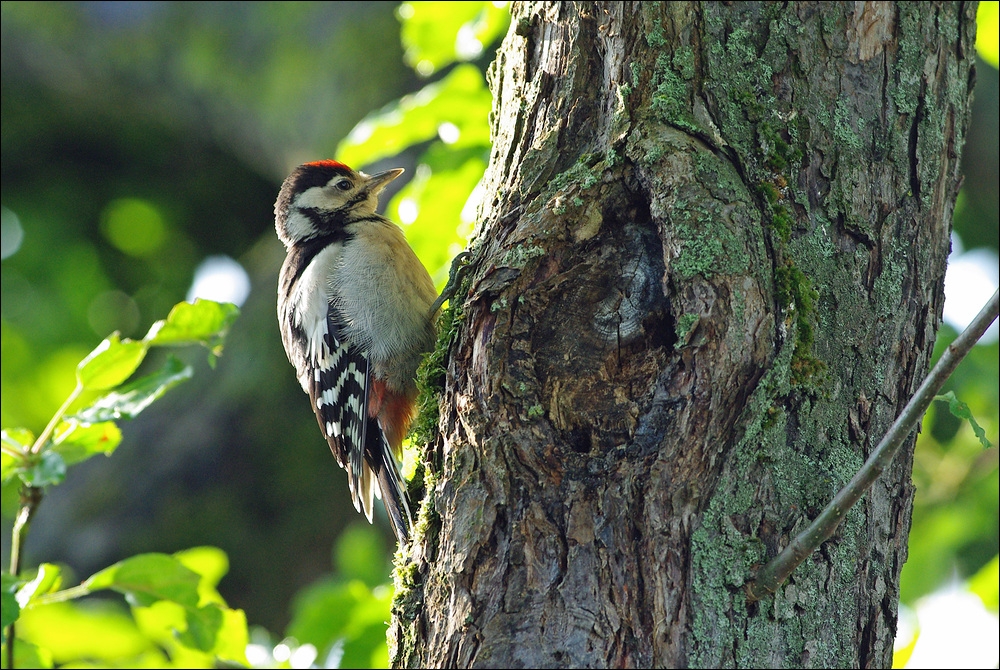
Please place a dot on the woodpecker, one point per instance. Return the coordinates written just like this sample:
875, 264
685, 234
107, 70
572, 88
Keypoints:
356, 309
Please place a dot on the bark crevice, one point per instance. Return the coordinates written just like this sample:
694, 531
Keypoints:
708, 274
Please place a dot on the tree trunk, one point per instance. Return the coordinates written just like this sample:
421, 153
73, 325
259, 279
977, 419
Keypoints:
708, 277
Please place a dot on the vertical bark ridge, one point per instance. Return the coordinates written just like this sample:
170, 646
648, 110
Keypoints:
709, 273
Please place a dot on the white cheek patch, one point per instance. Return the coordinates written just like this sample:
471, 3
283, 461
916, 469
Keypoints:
298, 227
323, 198
313, 198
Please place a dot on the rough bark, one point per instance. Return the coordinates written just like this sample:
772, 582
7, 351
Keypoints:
709, 275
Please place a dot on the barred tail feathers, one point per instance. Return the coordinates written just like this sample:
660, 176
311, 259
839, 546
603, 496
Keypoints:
391, 487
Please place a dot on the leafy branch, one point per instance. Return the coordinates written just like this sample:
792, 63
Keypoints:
68, 439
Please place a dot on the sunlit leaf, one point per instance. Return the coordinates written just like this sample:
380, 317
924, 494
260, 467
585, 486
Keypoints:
224, 634
435, 34
110, 364
194, 635
146, 578
332, 609
232, 637
364, 644
47, 470
901, 656
76, 441
211, 564
15, 441
85, 631
19, 439
201, 322
160, 620
46, 580
460, 99
11, 609
440, 199
127, 401
988, 33
202, 626
347, 612
166, 591
960, 410
28, 655
8, 466
986, 584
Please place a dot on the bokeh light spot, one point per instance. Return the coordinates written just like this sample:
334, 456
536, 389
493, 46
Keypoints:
222, 279
449, 132
970, 280
467, 45
111, 311
408, 210
11, 233
134, 226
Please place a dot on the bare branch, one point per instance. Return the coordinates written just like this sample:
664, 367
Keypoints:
770, 577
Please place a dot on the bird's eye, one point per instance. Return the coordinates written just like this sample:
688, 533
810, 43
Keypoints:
343, 185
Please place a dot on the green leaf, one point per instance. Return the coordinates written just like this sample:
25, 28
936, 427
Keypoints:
232, 637
960, 410
88, 633
435, 34
986, 33
201, 322
986, 584
203, 626
16, 444
360, 553
213, 627
211, 564
127, 401
77, 441
19, 439
460, 99
47, 579
48, 469
11, 610
111, 363
9, 466
28, 655
350, 612
146, 578
441, 192
323, 611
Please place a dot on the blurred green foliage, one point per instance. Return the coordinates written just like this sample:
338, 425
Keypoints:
173, 598
955, 515
446, 118
141, 138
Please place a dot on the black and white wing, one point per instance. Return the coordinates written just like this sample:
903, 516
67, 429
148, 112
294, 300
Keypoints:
339, 394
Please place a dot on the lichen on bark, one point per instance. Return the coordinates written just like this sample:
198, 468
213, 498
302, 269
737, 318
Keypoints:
708, 274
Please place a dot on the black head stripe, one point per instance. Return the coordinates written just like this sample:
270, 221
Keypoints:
316, 174
303, 178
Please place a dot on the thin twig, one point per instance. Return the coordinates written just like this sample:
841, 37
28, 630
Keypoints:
770, 577
31, 496
56, 418
65, 595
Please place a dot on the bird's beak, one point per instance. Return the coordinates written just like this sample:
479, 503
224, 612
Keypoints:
379, 181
